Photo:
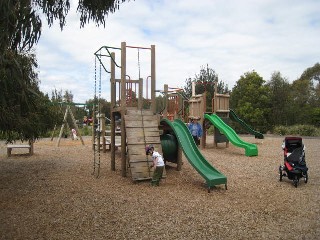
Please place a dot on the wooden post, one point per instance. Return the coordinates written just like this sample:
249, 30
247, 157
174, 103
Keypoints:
123, 109
203, 138
113, 104
153, 78
179, 159
102, 122
165, 111
93, 129
140, 96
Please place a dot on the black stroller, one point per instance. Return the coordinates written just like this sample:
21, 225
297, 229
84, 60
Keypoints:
294, 160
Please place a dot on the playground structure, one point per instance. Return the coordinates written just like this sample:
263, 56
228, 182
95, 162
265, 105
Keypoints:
219, 117
141, 125
174, 103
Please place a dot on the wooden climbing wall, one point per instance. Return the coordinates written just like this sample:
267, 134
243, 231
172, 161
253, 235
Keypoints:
141, 130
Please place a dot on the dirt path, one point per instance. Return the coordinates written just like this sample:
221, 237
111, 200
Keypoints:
52, 195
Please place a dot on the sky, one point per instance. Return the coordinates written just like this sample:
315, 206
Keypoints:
232, 37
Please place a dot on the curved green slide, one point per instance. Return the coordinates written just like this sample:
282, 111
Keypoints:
194, 156
250, 149
234, 117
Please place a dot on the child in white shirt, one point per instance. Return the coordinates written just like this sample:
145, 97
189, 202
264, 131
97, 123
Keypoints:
158, 165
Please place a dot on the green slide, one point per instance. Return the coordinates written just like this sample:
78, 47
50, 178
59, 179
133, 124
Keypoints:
250, 149
234, 117
194, 156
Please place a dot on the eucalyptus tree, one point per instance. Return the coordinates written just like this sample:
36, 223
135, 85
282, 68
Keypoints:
22, 105
281, 100
306, 91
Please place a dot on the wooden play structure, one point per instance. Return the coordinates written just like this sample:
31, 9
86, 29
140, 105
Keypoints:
139, 122
220, 106
141, 125
174, 103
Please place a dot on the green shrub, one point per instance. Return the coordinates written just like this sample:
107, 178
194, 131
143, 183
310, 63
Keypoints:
280, 130
300, 130
86, 131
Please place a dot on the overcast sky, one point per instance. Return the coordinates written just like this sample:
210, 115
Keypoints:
232, 37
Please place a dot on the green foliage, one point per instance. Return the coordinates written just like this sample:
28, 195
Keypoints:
205, 82
21, 23
281, 100
86, 131
24, 109
300, 130
315, 117
250, 100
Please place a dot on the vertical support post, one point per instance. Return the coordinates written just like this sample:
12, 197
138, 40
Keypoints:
140, 96
179, 160
112, 115
193, 87
204, 109
153, 78
214, 102
166, 97
123, 74
102, 121
123, 109
93, 127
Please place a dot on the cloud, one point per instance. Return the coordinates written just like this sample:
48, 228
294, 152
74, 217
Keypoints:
232, 37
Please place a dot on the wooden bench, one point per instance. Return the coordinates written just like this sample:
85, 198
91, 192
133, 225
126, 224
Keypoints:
12, 146
108, 143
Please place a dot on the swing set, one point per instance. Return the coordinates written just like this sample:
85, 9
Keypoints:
65, 124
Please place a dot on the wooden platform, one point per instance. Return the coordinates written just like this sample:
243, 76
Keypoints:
141, 130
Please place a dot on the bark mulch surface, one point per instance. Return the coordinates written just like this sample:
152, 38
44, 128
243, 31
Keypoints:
53, 195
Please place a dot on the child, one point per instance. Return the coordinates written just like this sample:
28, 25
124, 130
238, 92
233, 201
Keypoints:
195, 129
158, 165
74, 133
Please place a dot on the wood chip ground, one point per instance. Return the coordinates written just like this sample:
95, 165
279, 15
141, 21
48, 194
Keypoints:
53, 195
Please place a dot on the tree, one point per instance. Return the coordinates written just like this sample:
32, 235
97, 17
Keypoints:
24, 108
280, 101
25, 111
205, 82
250, 100
21, 23
105, 107
312, 76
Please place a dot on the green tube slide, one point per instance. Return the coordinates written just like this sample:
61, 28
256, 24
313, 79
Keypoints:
235, 118
250, 149
211, 175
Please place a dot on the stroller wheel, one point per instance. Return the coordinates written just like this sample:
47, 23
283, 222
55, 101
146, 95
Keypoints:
280, 174
305, 177
295, 181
